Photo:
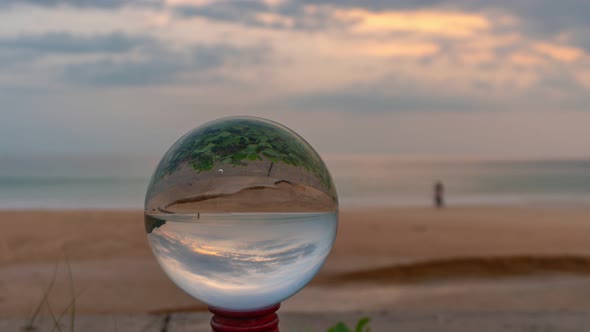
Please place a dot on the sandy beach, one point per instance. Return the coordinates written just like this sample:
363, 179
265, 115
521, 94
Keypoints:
384, 259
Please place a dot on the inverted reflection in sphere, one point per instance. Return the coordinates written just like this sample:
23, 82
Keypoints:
241, 213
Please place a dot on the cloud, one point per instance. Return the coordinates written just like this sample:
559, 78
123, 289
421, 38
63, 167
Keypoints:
415, 50
237, 11
318, 15
435, 23
543, 19
207, 56
199, 64
118, 59
108, 72
562, 53
10, 58
124, 60
81, 3
353, 99
546, 16
396, 91
19, 55
279, 15
554, 89
538, 18
58, 42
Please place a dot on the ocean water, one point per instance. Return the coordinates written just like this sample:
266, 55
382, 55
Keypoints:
243, 261
55, 182
120, 182
387, 181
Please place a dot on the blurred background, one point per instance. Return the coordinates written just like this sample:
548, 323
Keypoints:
94, 92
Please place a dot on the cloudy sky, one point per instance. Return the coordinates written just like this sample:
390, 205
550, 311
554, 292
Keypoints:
407, 78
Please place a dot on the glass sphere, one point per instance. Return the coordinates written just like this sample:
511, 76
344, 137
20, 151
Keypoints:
241, 213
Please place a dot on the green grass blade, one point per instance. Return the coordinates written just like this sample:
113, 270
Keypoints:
55, 320
37, 310
73, 294
340, 327
360, 326
68, 307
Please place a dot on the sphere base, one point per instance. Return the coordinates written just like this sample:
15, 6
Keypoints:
262, 320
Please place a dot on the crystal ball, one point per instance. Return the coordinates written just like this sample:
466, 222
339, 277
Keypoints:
241, 213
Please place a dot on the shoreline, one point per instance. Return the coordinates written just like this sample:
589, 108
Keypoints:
554, 200
343, 207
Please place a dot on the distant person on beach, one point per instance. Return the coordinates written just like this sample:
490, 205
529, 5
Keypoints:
439, 194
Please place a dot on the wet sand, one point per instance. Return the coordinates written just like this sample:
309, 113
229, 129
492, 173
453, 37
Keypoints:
384, 259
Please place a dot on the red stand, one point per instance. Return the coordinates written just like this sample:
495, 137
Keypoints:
263, 320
